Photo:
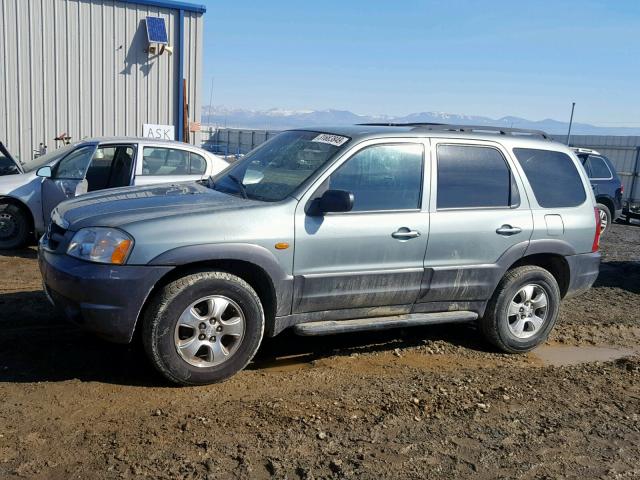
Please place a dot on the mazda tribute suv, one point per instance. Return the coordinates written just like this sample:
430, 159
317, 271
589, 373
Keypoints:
331, 230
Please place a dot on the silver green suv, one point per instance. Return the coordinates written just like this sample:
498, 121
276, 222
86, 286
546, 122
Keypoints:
331, 230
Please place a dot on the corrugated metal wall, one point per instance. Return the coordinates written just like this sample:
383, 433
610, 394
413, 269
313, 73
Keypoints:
624, 152
80, 66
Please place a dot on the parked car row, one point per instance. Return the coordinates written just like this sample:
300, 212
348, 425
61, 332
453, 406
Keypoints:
323, 230
28, 193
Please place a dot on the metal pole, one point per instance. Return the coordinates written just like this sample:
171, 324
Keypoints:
573, 106
636, 173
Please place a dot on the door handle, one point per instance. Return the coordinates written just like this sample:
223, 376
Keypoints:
508, 230
405, 234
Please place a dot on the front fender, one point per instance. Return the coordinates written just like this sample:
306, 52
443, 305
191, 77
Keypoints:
245, 252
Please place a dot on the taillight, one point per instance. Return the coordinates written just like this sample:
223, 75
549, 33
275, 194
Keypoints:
596, 237
621, 188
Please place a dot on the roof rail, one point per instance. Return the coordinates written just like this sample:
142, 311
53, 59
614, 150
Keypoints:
463, 128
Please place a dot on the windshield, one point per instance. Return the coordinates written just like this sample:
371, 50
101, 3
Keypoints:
278, 167
52, 156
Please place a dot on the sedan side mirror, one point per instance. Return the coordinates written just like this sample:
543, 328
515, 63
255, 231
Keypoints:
333, 201
45, 172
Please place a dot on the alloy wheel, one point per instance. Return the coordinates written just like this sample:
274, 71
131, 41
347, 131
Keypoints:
209, 331
527, 311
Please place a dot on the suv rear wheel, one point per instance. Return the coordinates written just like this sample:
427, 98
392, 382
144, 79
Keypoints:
203, 327
605, 217
523, 310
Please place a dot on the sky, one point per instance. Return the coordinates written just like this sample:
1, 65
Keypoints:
494, 58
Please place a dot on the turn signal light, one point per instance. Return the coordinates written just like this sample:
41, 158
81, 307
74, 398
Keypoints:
120, 253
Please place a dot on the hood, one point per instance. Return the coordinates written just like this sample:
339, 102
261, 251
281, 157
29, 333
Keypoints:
122, 206
21, 185
8, 165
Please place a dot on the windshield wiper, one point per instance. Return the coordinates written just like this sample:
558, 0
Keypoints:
241, 187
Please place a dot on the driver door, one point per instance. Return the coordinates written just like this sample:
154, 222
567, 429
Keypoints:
68, 179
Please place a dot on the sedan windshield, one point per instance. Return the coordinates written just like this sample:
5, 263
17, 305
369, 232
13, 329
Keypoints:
278, 167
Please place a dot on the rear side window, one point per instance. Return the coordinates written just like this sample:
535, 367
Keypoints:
171, 161
474, 177
598, 167
553, 176
198, 164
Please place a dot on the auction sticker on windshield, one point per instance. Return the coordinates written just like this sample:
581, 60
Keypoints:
336, 140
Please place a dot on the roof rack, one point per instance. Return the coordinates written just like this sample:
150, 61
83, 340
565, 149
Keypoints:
463, 128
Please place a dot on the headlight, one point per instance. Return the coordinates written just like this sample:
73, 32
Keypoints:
101, 245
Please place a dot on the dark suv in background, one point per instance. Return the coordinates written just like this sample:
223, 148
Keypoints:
606, 184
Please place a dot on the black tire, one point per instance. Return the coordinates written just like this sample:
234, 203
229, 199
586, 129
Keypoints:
14, 227
495, 323
165, 308
602, 207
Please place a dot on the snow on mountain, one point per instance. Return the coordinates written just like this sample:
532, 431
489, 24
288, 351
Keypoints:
280, 119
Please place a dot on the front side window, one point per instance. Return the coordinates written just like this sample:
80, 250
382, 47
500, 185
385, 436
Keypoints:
474, 177
275, 169
74, 166
597, 167
48, 158
553, 176
110, 167
382, 177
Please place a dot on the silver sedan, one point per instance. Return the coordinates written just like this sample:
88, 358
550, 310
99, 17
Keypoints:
29, 193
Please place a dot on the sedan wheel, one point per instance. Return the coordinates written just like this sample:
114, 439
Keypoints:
14, 227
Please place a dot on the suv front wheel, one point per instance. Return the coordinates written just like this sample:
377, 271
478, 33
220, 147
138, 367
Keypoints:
523, 309
203, 328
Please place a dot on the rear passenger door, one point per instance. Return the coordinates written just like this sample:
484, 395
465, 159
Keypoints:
371, 256
159, 164
479, 217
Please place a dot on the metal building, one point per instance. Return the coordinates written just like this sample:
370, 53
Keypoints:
85, 68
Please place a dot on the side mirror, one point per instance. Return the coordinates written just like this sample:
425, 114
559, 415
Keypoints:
333, 201
45, 172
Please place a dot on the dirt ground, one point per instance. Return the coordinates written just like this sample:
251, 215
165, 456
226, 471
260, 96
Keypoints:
418, 403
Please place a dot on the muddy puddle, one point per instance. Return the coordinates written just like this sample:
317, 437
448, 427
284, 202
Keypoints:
563, 355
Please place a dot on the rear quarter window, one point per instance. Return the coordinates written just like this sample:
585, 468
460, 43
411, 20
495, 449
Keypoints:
598, 168
553, 176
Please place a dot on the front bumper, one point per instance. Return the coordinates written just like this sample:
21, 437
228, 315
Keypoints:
631, 209
584, 270
103, 299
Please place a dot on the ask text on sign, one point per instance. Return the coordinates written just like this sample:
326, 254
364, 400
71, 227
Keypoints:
159, 132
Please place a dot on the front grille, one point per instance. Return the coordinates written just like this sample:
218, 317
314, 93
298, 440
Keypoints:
55, 235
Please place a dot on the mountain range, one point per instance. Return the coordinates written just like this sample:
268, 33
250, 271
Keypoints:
280, 119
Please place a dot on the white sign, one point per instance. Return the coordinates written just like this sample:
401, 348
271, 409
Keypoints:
159, 132
336, 140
